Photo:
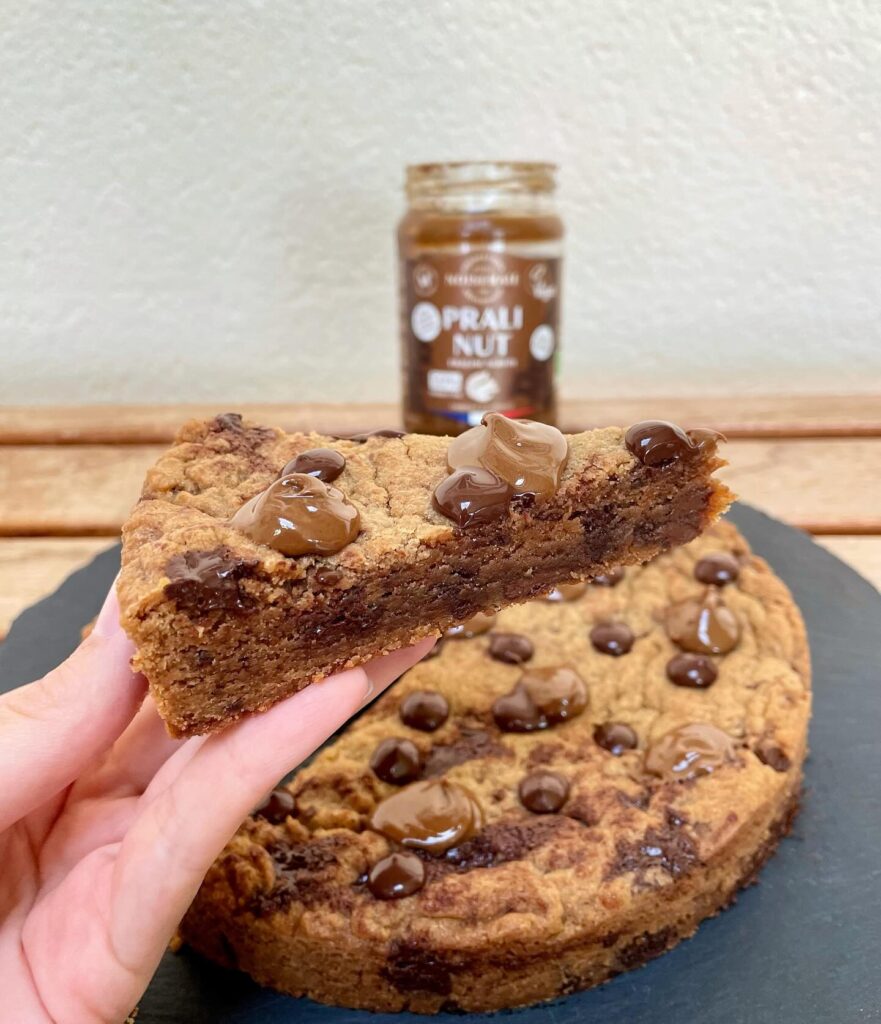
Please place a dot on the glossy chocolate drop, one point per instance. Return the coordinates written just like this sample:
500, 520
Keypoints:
613, 638
433, 815
718, 568
475, 626
204, 581
528, 456
472, 496
424, 710
542, 697
323, 463
275, 806
516, 712
705, 626
299, 515
694, 670
328, 577
543, 792
396, 761
609, 579
657, 443
367, 434
616, 737
511, 648
396, 876
567, 592
689, 751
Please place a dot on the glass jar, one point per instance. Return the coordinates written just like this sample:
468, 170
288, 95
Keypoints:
480, 274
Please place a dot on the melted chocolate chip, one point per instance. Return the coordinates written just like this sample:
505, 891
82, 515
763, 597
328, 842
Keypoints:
657, 443
566, 592
705, 626
396, 761
718, 569
434, 815
203, 581
328, 577
472, 496
694, 670
543, 792
299, 515
228, 421
529, 456
616, 737
773, 756
322, 463
613, 638
511, 648
475, 626
396, 876
609, 579
424, 710
689, 751
275, 806
366, 435
543, 697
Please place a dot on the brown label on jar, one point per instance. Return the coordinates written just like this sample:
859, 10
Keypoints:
480, 333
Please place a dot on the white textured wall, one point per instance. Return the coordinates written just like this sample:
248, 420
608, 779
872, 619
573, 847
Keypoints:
197, 197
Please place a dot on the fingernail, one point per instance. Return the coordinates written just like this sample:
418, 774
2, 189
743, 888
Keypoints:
107, 622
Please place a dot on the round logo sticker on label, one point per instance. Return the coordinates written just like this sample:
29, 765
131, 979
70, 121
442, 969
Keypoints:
481, 386
541, 343
425, 321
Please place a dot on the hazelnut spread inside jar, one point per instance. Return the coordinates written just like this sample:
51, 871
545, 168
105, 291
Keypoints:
480, 275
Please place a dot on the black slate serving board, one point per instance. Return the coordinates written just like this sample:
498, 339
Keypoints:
802, 946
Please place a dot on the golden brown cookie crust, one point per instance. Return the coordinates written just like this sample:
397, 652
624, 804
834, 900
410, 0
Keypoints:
279, 623
535, 905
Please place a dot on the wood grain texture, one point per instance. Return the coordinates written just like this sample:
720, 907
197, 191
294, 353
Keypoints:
31, 569
747, 416
821, 485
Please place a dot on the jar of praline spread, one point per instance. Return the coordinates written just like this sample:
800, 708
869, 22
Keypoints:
480, 261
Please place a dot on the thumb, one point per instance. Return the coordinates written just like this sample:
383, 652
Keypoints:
52, 729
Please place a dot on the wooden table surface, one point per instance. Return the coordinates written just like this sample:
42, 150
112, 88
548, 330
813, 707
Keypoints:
69, 475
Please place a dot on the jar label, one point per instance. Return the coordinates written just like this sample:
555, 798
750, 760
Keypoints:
479, 333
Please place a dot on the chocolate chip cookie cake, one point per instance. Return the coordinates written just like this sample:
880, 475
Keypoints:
560, 793
257, 562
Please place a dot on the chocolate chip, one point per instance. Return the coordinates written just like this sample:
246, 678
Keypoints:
396, 876
434, 815
528, 456
322, 463
566, 592
616, 737
275, 806
328, 577
396, 761
475, 626
543, 697
718, 568
773, 756
609, 579
366, 435
511, 648
657, 443
694, 670
424, 710
704, 626
472, 496
543, 792
228, 421
689, 751
516, 712
299, 515
203, 581
614, 638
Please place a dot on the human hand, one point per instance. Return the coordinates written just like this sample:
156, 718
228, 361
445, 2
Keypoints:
107, 825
